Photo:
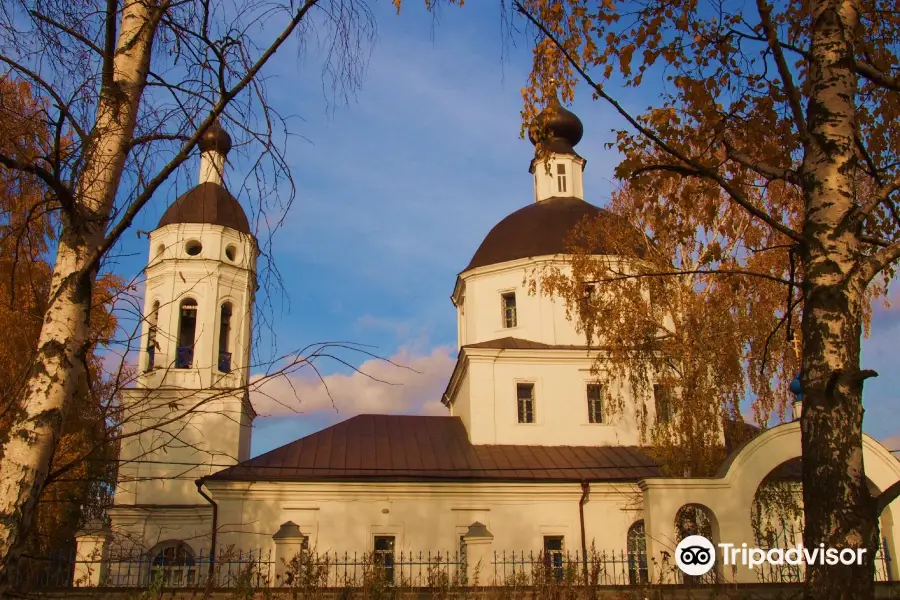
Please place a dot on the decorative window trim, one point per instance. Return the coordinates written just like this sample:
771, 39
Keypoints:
524, 412
509, 319
592, 410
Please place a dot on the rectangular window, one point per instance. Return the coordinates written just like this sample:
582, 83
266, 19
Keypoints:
595, 403
383, 556
508, 301
553, 556
525, 402
561, 177
663, 398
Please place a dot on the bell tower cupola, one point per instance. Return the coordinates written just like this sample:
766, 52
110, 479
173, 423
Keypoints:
557, 169
201, 280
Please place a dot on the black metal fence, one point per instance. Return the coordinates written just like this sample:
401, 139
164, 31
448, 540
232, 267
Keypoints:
251, 568
559, 567
54, 571
790, 536
258, 569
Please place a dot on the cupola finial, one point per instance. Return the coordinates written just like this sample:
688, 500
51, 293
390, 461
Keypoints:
555, 127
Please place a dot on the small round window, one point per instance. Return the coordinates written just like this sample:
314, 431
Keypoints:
159, 250
193, 248
231, 252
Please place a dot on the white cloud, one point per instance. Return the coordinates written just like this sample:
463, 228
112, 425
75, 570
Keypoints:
411, 383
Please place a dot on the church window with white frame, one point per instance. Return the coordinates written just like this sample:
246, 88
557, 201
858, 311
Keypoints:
508, 303
525, 402
595, 402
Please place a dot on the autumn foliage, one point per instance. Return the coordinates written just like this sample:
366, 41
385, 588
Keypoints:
27, 232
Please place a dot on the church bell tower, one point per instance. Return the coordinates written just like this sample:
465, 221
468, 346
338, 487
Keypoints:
190, 401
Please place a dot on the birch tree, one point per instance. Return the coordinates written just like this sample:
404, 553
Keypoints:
25, 235
754, 104
126, 89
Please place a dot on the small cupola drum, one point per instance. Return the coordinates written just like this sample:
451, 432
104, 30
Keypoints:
557, 169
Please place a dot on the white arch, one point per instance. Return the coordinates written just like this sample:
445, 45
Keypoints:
730, 493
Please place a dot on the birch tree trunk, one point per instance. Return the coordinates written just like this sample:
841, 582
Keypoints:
59, 363
839, 509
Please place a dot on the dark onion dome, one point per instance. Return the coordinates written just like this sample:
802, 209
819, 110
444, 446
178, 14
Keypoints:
539, 229
215, 138
207, 203
562, 129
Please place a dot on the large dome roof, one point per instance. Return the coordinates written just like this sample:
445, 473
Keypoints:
539, 229
207, 203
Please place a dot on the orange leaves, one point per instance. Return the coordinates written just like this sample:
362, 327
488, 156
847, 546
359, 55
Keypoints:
625, 58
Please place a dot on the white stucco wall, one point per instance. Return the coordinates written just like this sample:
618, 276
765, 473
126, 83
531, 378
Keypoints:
345, 517
161, 464
539, 317
485, 399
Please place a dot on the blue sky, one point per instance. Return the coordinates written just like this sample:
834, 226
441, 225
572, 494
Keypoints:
396, 189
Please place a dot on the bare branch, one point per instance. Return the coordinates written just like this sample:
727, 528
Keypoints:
125, 222
63, 194
67, 30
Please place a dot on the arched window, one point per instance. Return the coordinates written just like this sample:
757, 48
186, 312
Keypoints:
173, 565
696, 519
152, 344
224, 338
187, 332
637, 554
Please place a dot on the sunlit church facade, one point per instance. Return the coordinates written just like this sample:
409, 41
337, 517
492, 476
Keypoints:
527, 458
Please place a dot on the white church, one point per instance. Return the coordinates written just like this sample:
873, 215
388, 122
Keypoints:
526, 458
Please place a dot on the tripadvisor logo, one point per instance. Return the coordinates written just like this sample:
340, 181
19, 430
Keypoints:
695, 555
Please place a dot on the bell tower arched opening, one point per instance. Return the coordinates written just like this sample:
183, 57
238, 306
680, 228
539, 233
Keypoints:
187, 333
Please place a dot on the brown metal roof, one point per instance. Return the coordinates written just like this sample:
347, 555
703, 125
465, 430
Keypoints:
419, 448
536, 230
207, 203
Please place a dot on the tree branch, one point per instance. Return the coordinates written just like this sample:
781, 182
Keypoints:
877, 76
727, 272
63, 194
881, 196
60, 103
761, 168
876, 263
702, 170
158, 137
67, 30
125, 222
793, 95
874, 240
